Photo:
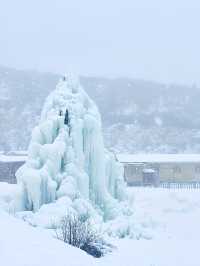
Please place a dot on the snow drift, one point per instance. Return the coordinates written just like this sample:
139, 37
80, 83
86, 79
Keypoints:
68, 168
23, 245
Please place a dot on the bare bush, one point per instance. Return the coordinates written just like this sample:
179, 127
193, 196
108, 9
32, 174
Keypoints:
78, 231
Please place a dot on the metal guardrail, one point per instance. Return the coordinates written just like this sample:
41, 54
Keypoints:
168, 185
186, 185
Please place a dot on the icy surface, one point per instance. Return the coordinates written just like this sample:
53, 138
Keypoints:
68, 168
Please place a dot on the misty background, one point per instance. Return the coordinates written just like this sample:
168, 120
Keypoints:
137, 115
152, 40
139, 61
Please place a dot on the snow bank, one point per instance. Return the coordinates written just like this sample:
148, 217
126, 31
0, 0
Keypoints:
23, 245
68, 168
171, 215
10, 197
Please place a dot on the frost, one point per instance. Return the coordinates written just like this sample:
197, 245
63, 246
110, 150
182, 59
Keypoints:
68, 167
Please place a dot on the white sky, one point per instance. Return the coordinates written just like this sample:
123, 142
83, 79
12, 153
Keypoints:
157, 40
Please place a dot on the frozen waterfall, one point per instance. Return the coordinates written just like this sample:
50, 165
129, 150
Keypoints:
67, 160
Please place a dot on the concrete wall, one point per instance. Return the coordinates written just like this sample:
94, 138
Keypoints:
168, 172
8, 170
133, 173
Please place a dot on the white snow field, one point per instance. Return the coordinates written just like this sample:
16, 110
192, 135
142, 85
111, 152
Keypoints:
172, 220
23, 245
169, 218
172, 214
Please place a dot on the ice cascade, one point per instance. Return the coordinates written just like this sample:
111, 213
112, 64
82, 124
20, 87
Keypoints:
67, 161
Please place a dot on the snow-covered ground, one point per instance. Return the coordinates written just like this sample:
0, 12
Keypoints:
10, 195
23, 245
153, 253
172, 214
169, 219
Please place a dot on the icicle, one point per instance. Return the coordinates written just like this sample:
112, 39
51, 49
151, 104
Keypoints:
67, 157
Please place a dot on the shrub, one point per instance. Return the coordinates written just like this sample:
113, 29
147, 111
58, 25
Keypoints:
78, 232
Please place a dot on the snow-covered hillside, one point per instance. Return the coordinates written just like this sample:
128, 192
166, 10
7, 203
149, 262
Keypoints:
137, 115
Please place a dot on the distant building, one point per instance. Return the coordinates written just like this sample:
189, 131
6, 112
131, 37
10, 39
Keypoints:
150, 177
153, 169
9, 164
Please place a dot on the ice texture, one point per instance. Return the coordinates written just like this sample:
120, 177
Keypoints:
68, 164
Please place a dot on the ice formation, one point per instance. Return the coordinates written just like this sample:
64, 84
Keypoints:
68, 165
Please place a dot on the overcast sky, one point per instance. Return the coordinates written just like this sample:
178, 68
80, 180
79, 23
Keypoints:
157, 40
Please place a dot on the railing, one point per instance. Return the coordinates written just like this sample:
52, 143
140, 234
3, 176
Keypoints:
186, 185
168, 185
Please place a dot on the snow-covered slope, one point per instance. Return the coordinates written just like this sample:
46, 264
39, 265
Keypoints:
137, 115
23, 245
170, 216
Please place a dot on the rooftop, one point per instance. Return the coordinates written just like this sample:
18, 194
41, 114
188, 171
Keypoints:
158, 158
9, 158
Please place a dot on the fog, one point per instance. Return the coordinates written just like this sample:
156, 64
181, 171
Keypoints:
156, 40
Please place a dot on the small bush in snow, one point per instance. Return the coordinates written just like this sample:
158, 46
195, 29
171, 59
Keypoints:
78, 232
